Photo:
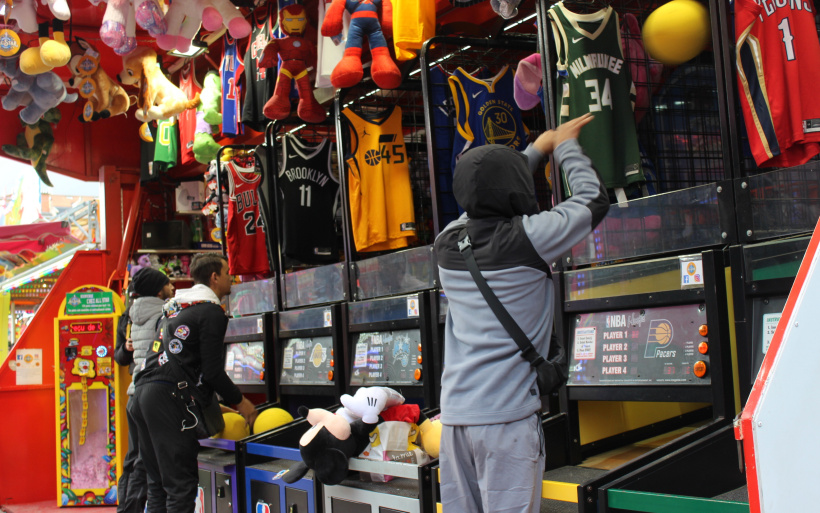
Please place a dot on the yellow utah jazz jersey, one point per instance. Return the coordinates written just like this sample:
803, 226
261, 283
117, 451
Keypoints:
414, 22
381, 201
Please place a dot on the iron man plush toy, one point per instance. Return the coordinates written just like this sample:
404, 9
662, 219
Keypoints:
296, 52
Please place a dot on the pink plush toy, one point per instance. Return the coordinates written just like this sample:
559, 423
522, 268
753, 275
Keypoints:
184, 18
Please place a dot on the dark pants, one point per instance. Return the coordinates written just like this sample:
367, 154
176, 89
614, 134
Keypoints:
168, 452
132, 488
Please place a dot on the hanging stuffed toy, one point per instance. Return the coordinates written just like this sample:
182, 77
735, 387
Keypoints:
105, 98
364, 22
159, 98
36, 94
184, 18
208, 119
297, 52
52, 53
34, 144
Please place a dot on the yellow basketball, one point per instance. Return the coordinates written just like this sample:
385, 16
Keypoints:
235, 427
270, 419
677, 31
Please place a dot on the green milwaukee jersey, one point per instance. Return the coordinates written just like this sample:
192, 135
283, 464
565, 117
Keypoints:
593, 77
166, 147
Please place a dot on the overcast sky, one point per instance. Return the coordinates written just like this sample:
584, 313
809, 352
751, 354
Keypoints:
13, 170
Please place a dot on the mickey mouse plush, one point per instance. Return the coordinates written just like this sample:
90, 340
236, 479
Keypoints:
364, 22
334, 438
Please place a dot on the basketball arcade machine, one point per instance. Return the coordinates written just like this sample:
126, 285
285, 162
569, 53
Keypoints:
387, 338
649, 340
308, 346
249, 356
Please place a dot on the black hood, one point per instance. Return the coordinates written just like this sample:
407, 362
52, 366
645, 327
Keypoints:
494, 181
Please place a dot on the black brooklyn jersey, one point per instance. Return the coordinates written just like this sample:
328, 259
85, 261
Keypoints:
309, 194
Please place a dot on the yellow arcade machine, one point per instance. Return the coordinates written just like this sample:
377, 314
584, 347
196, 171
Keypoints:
90, 397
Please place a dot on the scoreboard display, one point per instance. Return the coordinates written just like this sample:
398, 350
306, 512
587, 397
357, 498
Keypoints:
646, 346
387, 358
307, 361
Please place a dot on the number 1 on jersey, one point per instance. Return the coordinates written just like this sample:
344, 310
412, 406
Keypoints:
305, 190
787, 38
599, 98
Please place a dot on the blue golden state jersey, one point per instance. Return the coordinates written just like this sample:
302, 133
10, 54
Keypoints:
230, 70
486, 112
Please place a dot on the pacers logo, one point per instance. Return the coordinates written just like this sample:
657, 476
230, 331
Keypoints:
499, 125
660, 336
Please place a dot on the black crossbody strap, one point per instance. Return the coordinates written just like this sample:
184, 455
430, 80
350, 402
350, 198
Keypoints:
523, 342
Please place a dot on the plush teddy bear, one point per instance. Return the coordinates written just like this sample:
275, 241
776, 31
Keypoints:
208, 117
297, 53
105, 97
184, 18
364, 22
159, 98
34, 144
36, 94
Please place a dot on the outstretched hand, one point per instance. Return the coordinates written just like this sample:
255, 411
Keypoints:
551, 139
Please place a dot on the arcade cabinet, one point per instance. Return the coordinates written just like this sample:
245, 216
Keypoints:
90, 396
248, 355
309, 372
389, 343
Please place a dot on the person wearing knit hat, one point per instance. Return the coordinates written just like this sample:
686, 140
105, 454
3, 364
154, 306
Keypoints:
136, 331
149, 282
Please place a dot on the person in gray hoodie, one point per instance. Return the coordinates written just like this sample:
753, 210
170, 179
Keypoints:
492, 447
135, 333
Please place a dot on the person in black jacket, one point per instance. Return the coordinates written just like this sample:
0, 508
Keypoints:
193, 332
135, 333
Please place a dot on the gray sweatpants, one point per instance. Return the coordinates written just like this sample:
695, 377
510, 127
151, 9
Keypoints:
493, 468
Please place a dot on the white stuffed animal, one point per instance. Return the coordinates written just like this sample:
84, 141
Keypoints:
368, 403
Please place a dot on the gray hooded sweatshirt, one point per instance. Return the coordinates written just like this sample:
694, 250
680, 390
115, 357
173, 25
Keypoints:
485, 378
145, 314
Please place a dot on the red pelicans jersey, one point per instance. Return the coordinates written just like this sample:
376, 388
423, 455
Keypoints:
778, 71
187, 118
247, 250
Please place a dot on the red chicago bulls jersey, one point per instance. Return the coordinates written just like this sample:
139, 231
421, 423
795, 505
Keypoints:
187, 118
778, 70
247, 249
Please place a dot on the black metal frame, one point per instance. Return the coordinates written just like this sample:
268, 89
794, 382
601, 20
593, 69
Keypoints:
704, 463
271, 233
719, 393
745, 294
503, 43
269, 388
336, 332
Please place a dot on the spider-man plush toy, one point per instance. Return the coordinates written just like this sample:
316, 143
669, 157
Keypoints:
296, 52
364, 22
